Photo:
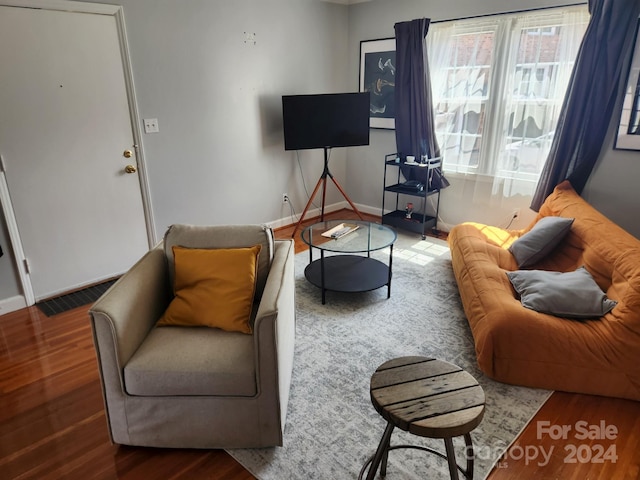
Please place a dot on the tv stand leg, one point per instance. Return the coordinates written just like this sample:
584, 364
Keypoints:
355, 209
324, 195
323, 180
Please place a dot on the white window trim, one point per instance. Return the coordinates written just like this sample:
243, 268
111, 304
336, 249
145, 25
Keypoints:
508, 29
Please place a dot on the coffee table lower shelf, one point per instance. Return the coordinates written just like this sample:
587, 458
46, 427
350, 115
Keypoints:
349, 273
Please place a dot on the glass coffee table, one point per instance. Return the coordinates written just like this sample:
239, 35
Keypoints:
345, 263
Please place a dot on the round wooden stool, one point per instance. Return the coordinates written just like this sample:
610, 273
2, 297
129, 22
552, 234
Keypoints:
428, 398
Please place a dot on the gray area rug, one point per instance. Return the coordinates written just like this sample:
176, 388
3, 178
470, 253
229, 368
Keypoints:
332, 428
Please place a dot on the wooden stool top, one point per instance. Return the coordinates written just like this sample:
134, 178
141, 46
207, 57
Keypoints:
427, 397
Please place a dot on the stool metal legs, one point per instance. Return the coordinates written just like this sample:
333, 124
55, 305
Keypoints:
380, 458
451, 458
470, 454
382, 453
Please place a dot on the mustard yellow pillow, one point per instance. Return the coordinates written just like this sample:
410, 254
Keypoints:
213, 288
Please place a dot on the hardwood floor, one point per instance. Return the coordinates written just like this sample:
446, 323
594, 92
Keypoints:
52, 423
536, 455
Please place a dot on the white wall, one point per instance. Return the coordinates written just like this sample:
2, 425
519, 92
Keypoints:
613, 185
219, 156
613, 189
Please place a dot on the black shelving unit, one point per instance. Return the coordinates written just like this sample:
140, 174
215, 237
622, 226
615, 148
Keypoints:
420, 220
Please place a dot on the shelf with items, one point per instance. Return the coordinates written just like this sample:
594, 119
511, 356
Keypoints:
404, 215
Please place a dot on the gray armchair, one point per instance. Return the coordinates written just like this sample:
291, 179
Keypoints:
197, 387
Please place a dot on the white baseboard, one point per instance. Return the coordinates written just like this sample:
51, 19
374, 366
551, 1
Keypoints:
368, 209
283, 222
313, 212
12, 304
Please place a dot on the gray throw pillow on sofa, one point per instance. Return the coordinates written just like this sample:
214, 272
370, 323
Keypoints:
571, 295
540, 240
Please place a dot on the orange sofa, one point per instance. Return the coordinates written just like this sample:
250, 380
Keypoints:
520, 346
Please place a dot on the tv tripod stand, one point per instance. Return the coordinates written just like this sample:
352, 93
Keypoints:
323, 181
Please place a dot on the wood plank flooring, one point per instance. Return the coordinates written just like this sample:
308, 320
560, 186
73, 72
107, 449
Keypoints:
537, 455
52, 423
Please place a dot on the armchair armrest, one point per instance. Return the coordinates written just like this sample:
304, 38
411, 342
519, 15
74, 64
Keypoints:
274, 328
280, 280
123, 316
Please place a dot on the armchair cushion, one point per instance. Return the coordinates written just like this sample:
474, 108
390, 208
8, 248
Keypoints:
189, 361
213, 288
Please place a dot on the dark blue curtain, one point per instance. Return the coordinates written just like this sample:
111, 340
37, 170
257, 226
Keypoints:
415, 133
591, 96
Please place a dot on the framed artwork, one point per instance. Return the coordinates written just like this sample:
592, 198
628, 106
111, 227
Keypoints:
629, 128
378, 77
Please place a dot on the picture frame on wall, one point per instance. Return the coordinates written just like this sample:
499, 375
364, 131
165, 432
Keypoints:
629, 127
377, 76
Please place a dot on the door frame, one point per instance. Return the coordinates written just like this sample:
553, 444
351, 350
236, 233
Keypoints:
115, 11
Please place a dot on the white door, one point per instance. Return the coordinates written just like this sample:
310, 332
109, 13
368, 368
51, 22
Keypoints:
64, 127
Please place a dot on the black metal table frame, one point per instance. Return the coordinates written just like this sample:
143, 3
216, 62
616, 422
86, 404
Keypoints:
348, 272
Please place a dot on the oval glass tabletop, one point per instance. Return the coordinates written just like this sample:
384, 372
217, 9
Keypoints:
348, 236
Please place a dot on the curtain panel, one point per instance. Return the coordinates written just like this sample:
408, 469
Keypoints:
415, 133
591, 96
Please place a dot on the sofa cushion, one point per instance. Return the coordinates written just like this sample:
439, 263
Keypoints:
222, 236
540, 240
213, 288
192, 361
570, 294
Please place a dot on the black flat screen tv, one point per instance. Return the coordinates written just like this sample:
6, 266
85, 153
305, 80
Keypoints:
325, 120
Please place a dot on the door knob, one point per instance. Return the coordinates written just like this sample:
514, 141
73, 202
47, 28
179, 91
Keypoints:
130, 169
127, 154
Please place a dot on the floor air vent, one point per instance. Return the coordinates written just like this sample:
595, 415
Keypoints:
73, 300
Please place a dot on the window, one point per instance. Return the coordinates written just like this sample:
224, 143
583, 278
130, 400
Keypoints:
498, 85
